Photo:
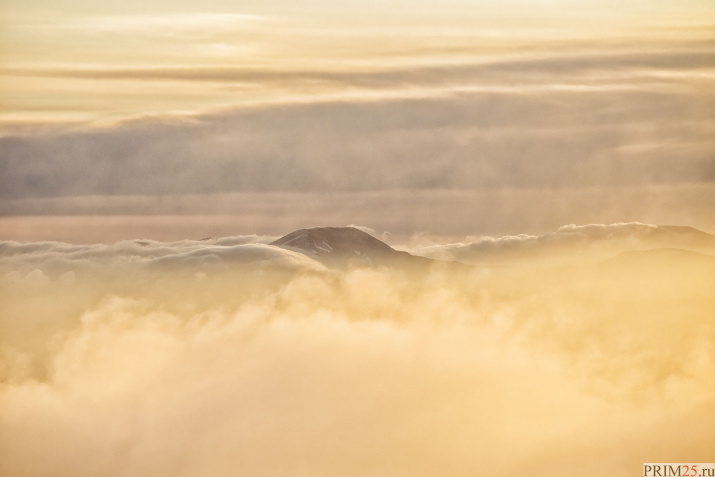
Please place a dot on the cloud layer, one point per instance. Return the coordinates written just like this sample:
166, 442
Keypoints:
464, 140
227, 356
583, 243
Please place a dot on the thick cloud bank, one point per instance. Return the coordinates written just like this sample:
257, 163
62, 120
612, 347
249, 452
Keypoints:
232, 357
460, 141
572, 243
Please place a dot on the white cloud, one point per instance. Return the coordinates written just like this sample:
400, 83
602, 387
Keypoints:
571, 242
226, 251
177, 21
365, 229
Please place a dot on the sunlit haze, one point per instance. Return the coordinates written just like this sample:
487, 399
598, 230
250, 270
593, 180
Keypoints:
514, 269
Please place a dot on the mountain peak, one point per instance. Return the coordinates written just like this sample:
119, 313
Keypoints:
343, 245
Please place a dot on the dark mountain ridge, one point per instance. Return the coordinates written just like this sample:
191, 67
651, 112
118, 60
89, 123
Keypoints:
346, 246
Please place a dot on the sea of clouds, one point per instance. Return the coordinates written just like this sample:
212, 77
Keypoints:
588, 351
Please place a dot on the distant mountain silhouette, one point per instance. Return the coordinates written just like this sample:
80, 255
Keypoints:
664, 259
678, 236
346, 246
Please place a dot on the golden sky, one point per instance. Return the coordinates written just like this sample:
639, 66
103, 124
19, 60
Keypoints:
95, 61
130, 108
